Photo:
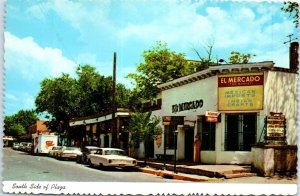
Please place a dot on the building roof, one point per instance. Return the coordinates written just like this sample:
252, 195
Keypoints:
221, 69
99, 117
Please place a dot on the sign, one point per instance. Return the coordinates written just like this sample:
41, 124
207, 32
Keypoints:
211, 116
240, 91
187, 106
159, 140
275, 129
173, 120
275, 126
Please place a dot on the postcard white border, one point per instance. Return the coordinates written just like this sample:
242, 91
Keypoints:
118, 188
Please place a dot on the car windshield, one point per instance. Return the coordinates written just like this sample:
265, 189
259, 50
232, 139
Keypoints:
115, 152
92, 151
72, 148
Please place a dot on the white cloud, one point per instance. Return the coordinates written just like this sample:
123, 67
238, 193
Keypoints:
279, 55
10, 97
27, 57
252, 26
14, 100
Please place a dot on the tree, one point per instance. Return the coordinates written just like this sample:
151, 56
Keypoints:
17, 124
237, 57
26, 117
64, 98
144, 128
17, 130
57, 97
159, 65
94, 91
208, 60
291, 7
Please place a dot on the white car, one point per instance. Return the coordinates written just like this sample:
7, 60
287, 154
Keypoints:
68, 152
54, 150
112, 157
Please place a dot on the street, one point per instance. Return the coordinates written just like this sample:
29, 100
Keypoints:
20, 166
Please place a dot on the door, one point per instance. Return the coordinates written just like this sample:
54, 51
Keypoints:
106, 140
189, 144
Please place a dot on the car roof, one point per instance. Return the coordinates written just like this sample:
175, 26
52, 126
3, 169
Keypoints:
111, 149
89, 147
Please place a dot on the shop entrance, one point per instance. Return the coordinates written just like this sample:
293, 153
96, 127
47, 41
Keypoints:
106, 140
189, 143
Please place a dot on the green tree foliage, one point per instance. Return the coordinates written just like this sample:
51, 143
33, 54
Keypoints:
57, 97
237, 57
90, 93
159, 65
94, 91
17, 124
17, 130
292, 8
143, 128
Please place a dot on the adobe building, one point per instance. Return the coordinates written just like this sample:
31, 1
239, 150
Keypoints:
219, 113
38, 127
97, 130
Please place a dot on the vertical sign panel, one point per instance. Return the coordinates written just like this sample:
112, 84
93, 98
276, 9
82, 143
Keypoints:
241, 91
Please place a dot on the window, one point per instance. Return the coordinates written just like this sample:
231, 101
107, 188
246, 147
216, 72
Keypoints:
240, 131
169, 131
207, 132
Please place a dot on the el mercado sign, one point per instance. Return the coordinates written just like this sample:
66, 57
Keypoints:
240, 91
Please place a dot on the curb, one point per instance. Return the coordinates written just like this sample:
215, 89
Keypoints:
178, 176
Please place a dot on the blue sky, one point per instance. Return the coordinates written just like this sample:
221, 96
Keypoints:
45, 38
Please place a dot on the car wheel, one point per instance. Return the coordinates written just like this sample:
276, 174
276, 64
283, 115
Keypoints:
90, 163
101, 165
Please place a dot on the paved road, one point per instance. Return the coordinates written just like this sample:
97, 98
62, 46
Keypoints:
19, 166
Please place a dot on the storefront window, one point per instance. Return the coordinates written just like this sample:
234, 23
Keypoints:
207, 131
240, 131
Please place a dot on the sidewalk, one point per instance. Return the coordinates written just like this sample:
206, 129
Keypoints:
207, 173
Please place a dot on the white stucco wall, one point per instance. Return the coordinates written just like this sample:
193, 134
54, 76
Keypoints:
281, 96
205, 89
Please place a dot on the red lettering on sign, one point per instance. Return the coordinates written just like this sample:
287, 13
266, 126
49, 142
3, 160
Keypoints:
240, 80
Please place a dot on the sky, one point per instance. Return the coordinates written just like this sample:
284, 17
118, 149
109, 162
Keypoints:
45, 38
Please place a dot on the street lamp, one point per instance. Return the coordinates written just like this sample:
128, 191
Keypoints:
222, 61
175, 148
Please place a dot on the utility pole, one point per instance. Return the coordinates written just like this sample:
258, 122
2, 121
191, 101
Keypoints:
115, 134
290, 39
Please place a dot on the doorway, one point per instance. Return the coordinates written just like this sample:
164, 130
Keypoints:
189, 143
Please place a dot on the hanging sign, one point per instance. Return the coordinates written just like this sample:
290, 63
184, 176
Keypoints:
211, 116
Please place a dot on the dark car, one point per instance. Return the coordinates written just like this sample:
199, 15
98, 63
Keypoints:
85, 152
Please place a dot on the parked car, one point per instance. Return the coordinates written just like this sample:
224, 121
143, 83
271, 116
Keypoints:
87, 150
28, 147
22, 146
68, 152
113, 157
54, 150
16, 146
